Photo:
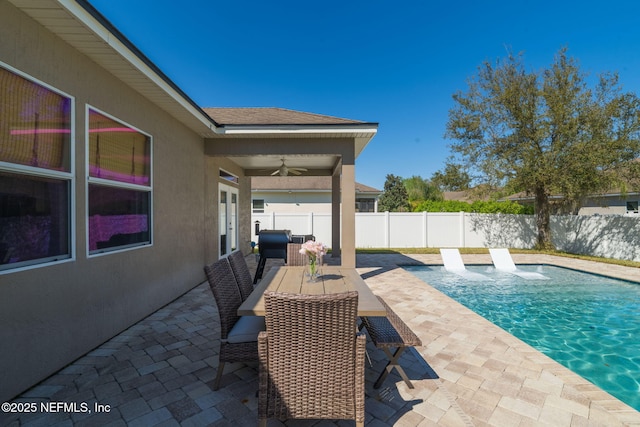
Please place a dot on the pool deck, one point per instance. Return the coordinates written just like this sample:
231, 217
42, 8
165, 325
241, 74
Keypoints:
468, 372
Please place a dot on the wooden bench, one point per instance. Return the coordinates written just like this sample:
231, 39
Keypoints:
387, 333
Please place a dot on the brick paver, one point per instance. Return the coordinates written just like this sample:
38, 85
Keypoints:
467, 373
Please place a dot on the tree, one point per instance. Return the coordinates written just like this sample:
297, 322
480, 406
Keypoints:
420, 189
454, 178
547, 132
394, 198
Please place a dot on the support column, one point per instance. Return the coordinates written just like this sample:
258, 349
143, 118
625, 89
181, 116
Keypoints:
348, 212
335, 214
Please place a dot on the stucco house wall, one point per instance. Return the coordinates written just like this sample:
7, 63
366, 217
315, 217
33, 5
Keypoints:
303, 195
611, 204
50, 315
294, 202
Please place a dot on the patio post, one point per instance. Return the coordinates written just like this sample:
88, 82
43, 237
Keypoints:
335, 214
348, 211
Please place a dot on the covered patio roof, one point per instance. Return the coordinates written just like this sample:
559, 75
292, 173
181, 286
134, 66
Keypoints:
303, 140
262, 140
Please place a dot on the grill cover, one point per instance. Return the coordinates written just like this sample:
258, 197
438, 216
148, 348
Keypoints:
273, 243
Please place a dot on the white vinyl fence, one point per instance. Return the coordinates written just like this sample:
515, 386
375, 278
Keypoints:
605, 236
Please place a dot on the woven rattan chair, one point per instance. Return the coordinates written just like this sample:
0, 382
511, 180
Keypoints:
225, 290
241, 271
294, 257
311, 358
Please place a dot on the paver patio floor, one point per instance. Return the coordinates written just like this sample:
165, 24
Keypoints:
468, 372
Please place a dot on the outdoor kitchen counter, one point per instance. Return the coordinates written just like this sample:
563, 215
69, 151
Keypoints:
333, 279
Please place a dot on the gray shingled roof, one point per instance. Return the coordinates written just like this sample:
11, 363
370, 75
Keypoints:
313, 183
272, 116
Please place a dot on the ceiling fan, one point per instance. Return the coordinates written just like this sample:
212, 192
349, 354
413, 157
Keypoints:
285, 170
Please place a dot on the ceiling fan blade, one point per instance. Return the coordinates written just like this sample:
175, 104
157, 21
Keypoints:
276, 172
295, 171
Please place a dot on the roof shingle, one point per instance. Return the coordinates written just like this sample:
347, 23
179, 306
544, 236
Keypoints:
272, 116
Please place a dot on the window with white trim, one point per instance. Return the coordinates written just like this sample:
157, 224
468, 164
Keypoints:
36, 171
365, 205
258, 205
119, 184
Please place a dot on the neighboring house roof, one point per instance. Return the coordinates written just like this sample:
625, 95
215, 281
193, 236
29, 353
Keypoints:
523, 196
470, 195
461, 196
301, 183
272, 116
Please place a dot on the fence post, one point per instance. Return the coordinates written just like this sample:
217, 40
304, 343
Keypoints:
462, 232
387, 229
425, 236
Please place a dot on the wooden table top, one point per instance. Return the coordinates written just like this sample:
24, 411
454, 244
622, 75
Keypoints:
333, 279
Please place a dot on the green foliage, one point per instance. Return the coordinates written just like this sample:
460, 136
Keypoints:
479, 206
394, 198
546, 132
454, 178
419, 189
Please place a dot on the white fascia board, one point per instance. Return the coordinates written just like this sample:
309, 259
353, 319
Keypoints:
287, 129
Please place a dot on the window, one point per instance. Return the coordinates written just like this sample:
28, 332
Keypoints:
365, 205
229, 176
632, 207
119, 189
258, 206
35, 172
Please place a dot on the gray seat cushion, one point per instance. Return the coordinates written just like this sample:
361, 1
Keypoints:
246, 329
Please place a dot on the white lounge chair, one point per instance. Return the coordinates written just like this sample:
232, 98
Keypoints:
503, 262
453, 263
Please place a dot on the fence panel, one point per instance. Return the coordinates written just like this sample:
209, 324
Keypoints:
443, 230
406, 230
371, 230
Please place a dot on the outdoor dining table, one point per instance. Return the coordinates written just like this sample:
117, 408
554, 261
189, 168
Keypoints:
332, 279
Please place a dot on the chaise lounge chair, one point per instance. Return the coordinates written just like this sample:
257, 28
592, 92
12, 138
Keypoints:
503, 262
453, 263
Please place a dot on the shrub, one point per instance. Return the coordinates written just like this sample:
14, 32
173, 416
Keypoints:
479, 206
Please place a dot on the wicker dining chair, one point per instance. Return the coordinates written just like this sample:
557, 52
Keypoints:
311, 358
241, 271
227, 295
294, 257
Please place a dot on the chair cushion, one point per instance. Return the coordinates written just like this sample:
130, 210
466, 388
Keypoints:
246, 329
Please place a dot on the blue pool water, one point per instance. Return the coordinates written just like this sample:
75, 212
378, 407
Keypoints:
588, 323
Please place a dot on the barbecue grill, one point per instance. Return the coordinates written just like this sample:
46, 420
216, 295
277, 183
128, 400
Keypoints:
273, 244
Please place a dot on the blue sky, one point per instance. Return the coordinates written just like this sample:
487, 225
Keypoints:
395, 63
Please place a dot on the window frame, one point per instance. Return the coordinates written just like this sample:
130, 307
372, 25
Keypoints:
33, 171
91, 180
253, 206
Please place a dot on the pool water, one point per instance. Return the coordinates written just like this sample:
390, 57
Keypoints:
588, 323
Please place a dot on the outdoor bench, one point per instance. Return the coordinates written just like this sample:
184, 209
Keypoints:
387, 333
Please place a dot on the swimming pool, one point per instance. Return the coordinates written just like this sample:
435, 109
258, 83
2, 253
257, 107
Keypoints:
588, 323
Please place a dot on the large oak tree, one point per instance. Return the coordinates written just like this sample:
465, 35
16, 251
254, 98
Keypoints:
547, 132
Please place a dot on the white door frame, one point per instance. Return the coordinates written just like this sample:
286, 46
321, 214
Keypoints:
228, 213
